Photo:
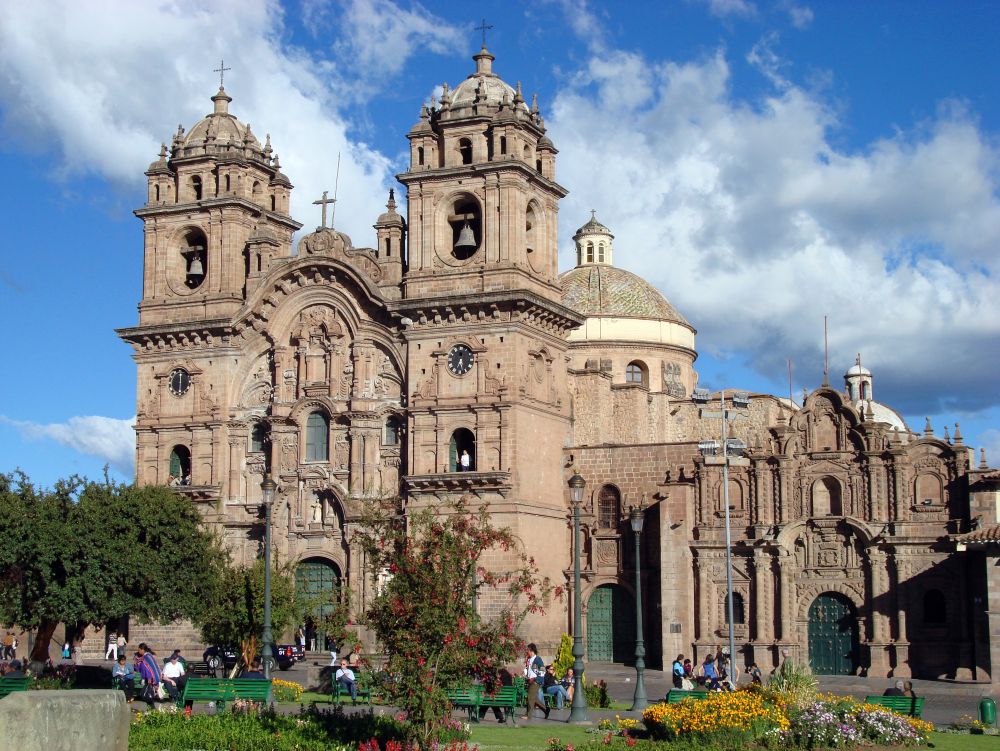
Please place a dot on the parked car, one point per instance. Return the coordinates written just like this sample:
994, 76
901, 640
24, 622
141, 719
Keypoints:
290, 652
226, 657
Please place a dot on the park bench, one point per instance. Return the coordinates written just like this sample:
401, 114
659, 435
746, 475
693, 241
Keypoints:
362, 692
676, 695
221, 691
468, 698
506, 698
911, 706
10, 685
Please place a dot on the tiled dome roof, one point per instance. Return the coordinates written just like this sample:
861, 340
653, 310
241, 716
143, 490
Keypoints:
599, 290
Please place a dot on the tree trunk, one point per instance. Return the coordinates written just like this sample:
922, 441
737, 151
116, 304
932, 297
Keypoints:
40, 650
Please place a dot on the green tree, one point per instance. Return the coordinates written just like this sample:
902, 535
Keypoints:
423, 616
87, 552
236, 616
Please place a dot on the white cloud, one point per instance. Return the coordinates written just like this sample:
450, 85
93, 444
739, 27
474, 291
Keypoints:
755, 222
378, 37
110, 80
729, 8
800, 15
104, 437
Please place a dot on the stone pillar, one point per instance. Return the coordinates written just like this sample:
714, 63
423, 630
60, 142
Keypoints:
879, 603
902, 647
700, 599
785, 563
302, 372
763, 615
233, 490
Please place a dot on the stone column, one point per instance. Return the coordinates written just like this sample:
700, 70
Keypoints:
302, 372
233, 489
879, 605
763, 615
902, 650
700, 598
785, 563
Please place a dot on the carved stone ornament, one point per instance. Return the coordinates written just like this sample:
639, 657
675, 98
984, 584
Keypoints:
325, 242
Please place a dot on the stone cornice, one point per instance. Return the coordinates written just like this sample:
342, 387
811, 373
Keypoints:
468, 482
457, 308
170, 209
446, 174
213, 332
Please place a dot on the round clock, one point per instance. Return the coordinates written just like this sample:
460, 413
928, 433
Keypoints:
460, 359
180, 381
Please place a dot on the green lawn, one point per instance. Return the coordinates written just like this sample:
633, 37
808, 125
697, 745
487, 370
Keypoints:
956, 742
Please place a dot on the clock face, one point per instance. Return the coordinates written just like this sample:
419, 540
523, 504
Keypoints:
460, 359
180, 381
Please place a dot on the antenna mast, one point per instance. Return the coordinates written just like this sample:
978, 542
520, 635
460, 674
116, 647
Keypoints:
336, 188
826, 354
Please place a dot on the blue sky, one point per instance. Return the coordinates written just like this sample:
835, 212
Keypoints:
763, 163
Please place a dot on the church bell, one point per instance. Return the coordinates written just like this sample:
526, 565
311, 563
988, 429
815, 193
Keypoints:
196, 268
466, 238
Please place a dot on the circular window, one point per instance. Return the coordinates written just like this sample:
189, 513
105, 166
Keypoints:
180, 381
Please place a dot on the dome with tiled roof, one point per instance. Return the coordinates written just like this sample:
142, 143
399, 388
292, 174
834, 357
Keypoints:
602, 290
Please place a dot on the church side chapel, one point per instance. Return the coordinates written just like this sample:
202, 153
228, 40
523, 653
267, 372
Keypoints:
452, 359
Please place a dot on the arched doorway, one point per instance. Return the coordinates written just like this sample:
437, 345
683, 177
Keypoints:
317, 582
462, 439
610, 625
833, 635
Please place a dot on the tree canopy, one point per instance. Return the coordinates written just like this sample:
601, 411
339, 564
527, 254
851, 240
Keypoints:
88, 552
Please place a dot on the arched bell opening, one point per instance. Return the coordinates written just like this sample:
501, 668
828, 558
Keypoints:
466, 223
180, 466
463, 444
194, 253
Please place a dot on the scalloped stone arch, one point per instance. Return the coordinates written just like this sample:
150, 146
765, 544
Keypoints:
853, 592
281, 325
301, 411
786, 538
443, 206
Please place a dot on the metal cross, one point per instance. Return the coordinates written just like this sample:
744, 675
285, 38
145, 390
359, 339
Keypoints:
323, 202
483, 27
221, 70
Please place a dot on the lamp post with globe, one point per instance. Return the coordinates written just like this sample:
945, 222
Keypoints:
578, 709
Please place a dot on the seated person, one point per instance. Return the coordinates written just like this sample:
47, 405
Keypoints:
256, 670
552, 687
908, 690
504, 678
173, 676
894, 690
346, 680
123, 676
355, 657
15, 670
568, 682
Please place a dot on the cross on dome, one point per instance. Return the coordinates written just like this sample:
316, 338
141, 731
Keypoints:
221, 70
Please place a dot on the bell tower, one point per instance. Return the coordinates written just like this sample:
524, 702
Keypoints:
484, 327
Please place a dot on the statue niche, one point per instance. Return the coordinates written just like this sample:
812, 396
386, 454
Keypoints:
319, 342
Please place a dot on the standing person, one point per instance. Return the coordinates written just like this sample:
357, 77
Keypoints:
754, 672
149, 671
465, 461
8, 646
78, 652
65, 650
346, 680
534, 674
677, 671
121, 642
301, 634
112, 651
708, 671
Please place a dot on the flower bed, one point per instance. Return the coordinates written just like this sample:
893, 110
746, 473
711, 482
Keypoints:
778, 720
286, 690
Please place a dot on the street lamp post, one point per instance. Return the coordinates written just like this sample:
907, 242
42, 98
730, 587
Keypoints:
639, 702
578, 710
268, 486
710, 448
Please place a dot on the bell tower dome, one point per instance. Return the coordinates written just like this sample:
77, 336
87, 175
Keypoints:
482, 198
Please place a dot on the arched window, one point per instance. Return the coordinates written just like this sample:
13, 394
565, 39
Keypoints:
180, 466
635, 372
590, 252
195, 258
929, 490
465, 221
420, 154
196, 187
228, 183
739, 609
826, 498
463, 444
392, 431
538, 166
608, 507
865, 391
600, 253
273, 203
503, 144
157, 193
530, 228
465, 150
317, 437
258, 438
935, 608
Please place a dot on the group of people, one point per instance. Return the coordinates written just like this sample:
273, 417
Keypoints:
713, 674
541, 681
9, 647
900, 688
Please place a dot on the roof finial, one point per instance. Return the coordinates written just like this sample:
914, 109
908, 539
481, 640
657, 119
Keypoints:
391, 205
928, 430
484, 27
221, 70
593, 215
958, 435
947, 435
982, 459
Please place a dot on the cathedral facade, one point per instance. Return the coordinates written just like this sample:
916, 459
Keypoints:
453, 359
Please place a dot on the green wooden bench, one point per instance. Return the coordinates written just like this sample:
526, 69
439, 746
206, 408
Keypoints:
10, 685
468, 698
506, 698
221, 691
339, 692
676, 695
911, 706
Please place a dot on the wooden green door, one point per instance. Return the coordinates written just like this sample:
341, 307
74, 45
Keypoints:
611, 625
317, 581
833, 635
600, 636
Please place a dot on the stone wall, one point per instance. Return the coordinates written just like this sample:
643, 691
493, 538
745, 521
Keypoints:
81, 720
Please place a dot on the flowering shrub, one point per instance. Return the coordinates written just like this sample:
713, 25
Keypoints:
619, 726
597, 694
54, 677
741, 715
286, 690
839, 721
373, 745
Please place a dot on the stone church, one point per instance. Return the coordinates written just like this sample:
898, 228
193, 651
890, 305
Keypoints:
352, 372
